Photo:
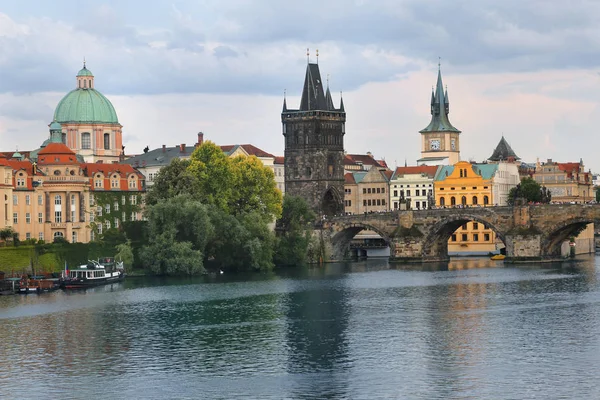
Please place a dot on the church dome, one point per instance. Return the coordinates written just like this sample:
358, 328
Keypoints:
85, 104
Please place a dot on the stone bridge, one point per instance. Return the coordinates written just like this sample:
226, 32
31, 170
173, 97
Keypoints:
530, 233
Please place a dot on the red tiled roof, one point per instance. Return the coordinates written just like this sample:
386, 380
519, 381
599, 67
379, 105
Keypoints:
364, 159
21, 165
57, 153
107, 169
421, 169
56, 148
349, 178
382, 163
250, 149
279, 160
388, 174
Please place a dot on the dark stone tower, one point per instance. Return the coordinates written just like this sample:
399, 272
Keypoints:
314, 147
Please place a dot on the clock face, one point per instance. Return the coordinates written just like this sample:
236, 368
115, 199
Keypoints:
435, 144
453, 144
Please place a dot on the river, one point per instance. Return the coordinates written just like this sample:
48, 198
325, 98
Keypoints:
470, 329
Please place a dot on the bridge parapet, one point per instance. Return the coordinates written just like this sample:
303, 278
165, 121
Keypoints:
531, 232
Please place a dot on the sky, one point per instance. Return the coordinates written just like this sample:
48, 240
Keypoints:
528, 70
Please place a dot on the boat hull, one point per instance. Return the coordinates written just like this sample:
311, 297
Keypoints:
87, 283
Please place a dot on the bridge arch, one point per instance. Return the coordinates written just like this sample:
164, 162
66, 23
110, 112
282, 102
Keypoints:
552, 242
345, 232
435, 244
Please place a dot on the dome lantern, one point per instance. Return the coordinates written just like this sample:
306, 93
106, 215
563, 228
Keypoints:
85, 78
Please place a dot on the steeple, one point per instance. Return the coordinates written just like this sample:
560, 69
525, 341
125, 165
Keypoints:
85, 78
284, 102
342, 103
440, 107
313, 97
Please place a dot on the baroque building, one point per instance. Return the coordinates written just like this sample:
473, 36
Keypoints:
314, 146
440, 141
413, 186
89, 122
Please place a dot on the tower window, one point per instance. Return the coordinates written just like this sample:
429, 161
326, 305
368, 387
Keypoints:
107, 141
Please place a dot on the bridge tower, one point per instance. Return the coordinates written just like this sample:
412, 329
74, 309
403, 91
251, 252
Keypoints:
439, 140
314, 146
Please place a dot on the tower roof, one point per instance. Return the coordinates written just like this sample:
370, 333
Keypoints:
313, 97
503, 151
84, 72
440, 110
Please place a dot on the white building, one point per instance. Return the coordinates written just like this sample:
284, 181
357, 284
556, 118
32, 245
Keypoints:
413, 184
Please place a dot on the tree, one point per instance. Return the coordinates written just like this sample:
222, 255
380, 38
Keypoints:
125, 254
295, 228
597, 195
172, 180
529, 190
256, 190
179, 230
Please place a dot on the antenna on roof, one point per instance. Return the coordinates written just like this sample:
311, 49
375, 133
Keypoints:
317, 56
307, 55
83, 61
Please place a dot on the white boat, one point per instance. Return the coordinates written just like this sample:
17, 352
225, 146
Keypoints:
101, 272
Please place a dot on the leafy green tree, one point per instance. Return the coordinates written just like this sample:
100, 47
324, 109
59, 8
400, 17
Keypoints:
255, 189
178, 230
529, 190
125, 254
295, 227
597, 195
213, 170
172, 180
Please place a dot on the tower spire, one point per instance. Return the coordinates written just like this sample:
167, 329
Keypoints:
342, 103
284, 101
307, 55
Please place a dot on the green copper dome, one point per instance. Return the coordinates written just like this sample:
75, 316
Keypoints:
84, 72
85, 105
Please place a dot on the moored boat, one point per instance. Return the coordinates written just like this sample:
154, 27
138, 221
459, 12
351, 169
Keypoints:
94, 273
498, 257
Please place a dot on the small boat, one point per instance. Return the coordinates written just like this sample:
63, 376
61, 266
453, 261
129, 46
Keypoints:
36, 284
498, 257
94, 273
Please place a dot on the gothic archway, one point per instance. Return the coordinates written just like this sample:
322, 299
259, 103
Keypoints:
332, 203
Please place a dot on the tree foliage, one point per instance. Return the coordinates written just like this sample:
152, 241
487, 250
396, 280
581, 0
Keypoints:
530, 191
125, 254
295, 228
172, 180
178, 229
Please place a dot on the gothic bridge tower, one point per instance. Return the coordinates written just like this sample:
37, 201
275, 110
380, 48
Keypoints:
314, 147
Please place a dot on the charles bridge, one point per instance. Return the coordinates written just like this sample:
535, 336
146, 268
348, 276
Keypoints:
529, 232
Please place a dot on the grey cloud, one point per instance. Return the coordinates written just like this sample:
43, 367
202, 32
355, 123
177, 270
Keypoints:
224, 51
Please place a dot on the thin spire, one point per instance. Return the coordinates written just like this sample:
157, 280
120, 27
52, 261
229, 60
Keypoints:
317, 56
342, 102
405, 164
284, 100
439, 63
307, 55
83, 61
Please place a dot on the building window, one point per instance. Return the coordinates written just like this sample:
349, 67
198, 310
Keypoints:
474, 200
58, 216
464, 237
486, 237
382, 190
74, 237
133, 199
99, 229
20, 182
107, 223
132, 184
27, 218
107, 208
15, 200
98, 183
476, 237
408, 193
442, 201
452, 201
114, 182
72, 200
133, 216
364, 203
99, 211
27, 199
15, 218
475, 226
73, 216
454, 237
486, 200
107, 141
123, 200
57, 200
116, 206
369, 190
86, 142
40, 218
463, 200
40, 199
395, 193
117, 223
28, 236
41, 236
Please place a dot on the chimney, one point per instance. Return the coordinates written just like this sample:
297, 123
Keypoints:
200, 139
164, 148
182, 147
369, 154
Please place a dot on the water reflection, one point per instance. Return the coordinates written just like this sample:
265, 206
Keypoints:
316, 342
470, 328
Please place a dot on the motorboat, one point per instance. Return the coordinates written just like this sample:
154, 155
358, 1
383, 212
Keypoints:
100, 272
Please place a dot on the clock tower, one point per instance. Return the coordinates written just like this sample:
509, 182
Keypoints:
439, 140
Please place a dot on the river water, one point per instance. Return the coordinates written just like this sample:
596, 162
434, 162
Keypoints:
470, 329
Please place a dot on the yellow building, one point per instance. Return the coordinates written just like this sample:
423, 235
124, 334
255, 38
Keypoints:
467, 185
6, 192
